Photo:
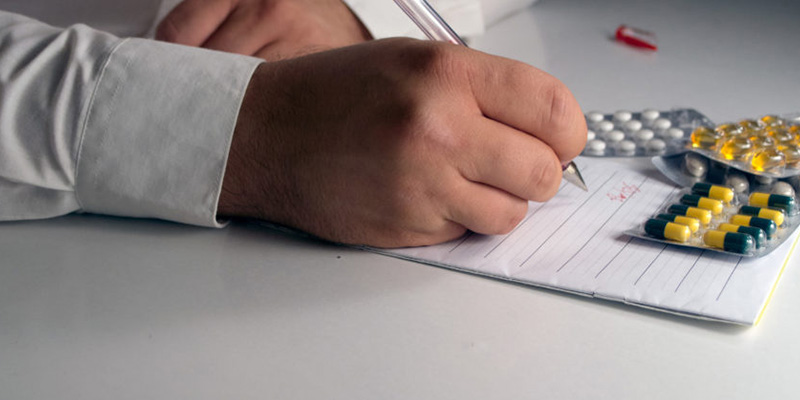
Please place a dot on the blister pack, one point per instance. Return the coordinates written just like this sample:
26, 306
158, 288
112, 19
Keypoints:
716, 218
767, 147
646, 133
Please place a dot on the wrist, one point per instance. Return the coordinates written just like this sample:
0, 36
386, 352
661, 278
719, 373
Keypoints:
252, 172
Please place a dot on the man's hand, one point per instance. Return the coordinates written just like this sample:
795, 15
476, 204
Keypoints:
399, 142
270, 29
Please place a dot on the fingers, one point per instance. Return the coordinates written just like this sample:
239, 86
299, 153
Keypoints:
192, 22
246, 31
530, 100
486, 210
513, 161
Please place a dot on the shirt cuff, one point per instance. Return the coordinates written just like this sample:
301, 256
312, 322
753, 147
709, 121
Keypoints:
158, 129
385, 19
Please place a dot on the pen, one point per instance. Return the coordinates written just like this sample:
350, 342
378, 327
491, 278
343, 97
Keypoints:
435, 28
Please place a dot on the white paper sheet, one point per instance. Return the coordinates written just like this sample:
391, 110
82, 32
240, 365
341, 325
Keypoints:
575, 243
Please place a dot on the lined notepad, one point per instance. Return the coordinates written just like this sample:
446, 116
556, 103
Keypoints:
575, 243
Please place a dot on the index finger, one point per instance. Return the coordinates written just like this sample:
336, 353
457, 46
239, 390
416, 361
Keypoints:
530, 100
192, 22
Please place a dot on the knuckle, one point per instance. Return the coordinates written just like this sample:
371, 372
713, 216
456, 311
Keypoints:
505, 220
545, 179
566, 119
426, 58
515, 215
559, 99
519, 74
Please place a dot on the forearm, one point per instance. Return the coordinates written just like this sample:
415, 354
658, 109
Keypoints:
93, 123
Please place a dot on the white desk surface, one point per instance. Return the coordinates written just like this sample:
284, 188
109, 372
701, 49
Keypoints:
105, 308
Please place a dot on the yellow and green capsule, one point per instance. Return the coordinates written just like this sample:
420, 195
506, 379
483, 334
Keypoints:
785, 203
692, 223
664, 229
704, 216
716, 192
693, 200
759, 237
729, 241
776, 216
767, 225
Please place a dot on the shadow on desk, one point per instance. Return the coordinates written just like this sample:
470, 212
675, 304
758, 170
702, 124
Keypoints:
91, 276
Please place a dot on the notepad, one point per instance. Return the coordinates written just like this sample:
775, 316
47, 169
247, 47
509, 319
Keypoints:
575, 243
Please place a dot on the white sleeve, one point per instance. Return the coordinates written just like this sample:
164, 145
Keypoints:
92, 123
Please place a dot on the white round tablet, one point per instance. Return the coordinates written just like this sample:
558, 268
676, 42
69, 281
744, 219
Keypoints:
782, 188
614, 136
632, 126
595, 147
764, 180
738, 182
626, 148
662, 124
643, 135
594, 117
604, 126
655, 147
590, 135
650, 115
673, 134
622, 116
695, 165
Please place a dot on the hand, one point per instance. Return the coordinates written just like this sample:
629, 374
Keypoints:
399, 143
270, 29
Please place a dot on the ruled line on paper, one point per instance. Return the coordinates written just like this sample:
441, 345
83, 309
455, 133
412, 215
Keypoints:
564, 185
690, 270
610, 218
729, 278
541, 206
567, 219
650, 265
575, 243
614, 258
460, 242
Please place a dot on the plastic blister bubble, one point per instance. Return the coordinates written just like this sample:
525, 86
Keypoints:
650, 132
768, 146
717, 218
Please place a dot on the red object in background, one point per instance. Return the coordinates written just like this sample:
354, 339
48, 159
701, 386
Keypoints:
636, 37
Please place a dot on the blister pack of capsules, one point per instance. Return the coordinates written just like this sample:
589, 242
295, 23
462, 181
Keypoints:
716, 218
767, 147
646, 133
691, 167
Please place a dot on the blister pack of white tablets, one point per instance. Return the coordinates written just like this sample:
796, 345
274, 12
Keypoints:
645, 133
716, 218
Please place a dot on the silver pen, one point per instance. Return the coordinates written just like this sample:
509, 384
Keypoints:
435, 28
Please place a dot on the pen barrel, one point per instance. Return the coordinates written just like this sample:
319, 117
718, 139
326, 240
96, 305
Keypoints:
429, 21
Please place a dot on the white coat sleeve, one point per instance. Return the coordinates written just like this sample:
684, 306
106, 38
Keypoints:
93, 123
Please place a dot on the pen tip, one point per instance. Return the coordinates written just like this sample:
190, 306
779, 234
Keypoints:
573, 176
